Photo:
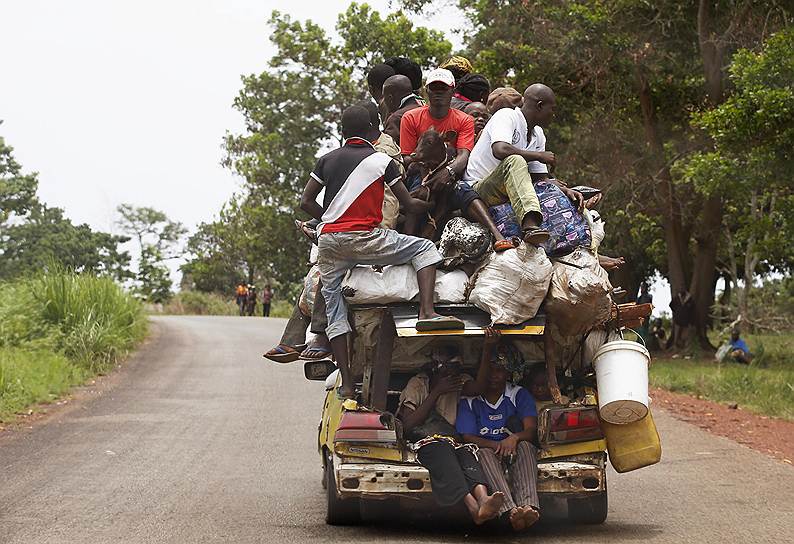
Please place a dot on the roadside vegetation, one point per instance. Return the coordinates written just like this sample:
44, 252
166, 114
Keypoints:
59, 328
765, 387
198, 303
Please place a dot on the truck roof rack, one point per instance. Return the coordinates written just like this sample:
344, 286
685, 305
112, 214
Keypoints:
475, 320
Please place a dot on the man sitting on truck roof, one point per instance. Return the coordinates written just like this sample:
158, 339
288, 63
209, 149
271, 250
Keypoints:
511, 154
353, 177
503, 423
398, 98
428, 408
457, 129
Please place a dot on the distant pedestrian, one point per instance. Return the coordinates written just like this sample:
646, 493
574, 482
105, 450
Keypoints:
241, 295
267, 297
644, 298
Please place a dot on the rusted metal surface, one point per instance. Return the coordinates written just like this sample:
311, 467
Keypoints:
566, 477
381, 479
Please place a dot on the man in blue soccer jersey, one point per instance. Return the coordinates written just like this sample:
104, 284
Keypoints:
503, 423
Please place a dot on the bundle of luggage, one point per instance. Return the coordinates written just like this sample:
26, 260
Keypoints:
511, 285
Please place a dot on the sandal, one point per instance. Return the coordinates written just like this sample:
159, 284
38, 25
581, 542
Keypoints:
282, 353
535, 235
316, 354
503, 245
439, 323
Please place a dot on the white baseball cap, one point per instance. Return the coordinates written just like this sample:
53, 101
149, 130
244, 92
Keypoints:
442, 75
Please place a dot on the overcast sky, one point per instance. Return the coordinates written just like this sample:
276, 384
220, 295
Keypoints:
127, 101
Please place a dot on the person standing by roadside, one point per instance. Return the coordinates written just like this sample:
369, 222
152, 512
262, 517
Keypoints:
241, 295
267, 298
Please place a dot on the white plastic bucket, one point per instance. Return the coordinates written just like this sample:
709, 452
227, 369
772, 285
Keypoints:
621, 368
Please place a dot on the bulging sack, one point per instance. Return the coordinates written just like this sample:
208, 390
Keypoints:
568, 229
398, 283
511, 285
579, 295
463, 242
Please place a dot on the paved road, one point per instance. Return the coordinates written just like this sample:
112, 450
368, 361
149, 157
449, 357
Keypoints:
201, 440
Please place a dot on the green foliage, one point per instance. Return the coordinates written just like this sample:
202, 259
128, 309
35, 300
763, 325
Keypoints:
33, 235
56, 329
45, 236
28, 377
17, 190
158, 239
765, 387
198, 303
291, 112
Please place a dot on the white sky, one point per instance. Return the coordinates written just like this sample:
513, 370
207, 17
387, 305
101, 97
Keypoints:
127, 101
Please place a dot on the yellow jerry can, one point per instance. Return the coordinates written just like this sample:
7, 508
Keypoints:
632, 445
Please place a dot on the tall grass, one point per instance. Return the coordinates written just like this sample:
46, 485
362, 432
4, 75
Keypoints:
56, 329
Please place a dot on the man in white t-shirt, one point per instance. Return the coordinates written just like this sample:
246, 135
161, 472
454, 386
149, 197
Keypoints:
510, 154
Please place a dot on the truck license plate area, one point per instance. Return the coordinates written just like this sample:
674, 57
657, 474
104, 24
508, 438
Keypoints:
355, 479
564, 477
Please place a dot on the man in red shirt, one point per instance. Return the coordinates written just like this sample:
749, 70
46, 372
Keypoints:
457, 130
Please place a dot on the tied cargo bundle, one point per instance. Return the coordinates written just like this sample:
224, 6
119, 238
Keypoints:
511, 285
579, 297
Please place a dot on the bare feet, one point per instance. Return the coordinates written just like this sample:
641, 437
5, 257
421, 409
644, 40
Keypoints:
531, 516
517, 519
489, 507
523, 517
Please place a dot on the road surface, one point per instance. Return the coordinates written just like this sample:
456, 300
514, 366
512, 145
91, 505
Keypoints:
199, 439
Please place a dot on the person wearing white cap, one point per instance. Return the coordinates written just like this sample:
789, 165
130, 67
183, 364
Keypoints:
457, 130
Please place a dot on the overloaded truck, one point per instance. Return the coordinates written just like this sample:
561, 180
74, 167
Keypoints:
367, 460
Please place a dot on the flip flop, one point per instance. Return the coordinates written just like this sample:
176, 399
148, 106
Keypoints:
535, 235
282, 353
503, 245
316, 354
439, 323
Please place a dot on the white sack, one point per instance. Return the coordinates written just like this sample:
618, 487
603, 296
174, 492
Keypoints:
398, 283
511, 285
596, 228
578, 298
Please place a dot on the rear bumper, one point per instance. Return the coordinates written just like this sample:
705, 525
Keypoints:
382, 480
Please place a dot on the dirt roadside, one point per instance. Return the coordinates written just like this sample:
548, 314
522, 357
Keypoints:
772, 436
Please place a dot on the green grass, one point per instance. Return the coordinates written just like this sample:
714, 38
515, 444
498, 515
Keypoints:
56, 330
765, 387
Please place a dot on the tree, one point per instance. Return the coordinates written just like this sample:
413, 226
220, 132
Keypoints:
158, 240
752, 162
628, 73
34, 236
45, 236
250, 241
17, 190
291, 111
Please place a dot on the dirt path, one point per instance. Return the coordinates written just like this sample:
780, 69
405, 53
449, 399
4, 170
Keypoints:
768, 435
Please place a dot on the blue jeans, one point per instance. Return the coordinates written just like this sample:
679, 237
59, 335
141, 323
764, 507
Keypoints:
341, 251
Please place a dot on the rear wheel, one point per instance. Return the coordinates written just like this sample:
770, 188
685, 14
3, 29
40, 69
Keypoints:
338, 511
590, 510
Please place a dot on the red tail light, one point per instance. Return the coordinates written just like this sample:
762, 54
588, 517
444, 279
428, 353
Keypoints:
574, 425
365, 427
